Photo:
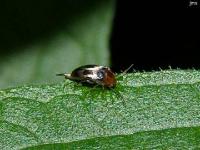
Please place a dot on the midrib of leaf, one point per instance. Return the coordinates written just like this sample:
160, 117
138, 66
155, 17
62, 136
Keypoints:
67, 112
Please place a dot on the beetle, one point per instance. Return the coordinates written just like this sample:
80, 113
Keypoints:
92, 75
95, 75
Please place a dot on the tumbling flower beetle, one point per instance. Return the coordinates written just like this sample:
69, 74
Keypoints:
93, 75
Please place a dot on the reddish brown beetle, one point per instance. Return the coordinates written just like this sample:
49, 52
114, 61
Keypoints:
92, 74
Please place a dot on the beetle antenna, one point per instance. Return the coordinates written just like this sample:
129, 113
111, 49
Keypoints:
64, 74
61, 74
67, 75
125, 71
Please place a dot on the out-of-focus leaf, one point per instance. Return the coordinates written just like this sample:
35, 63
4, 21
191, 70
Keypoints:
42, 39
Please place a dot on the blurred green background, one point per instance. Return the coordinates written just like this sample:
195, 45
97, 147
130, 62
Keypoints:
40, 39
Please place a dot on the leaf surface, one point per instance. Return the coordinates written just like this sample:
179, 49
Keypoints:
146, 110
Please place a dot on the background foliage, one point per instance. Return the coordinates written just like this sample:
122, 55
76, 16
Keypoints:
41, 39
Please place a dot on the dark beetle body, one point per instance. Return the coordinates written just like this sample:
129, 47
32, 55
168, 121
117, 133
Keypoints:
93, 74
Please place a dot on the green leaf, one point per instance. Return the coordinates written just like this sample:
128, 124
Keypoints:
158, 110
42, 39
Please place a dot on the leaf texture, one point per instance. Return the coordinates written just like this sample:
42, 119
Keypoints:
152, 110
